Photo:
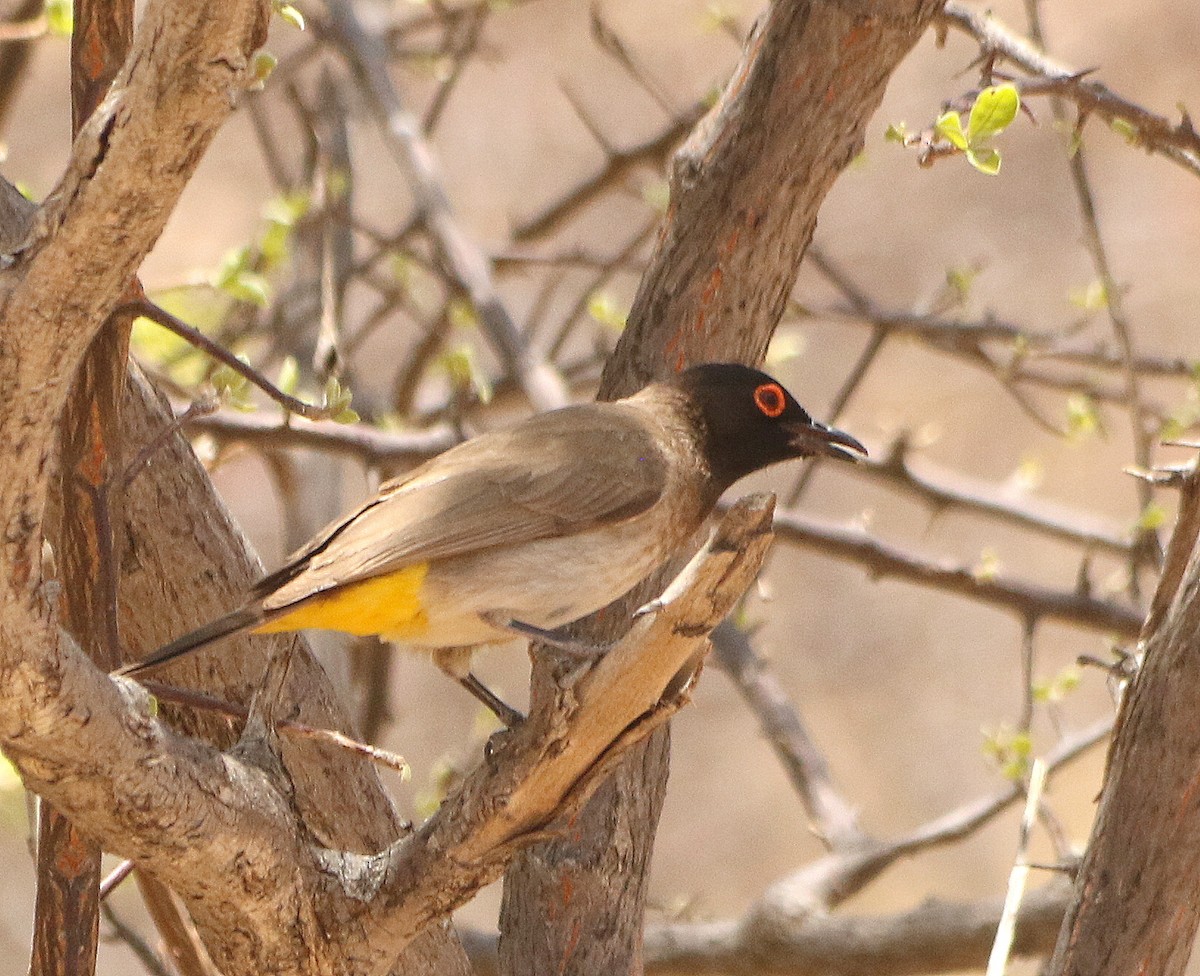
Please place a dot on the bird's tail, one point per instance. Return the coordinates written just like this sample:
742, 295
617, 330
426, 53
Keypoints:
231, 623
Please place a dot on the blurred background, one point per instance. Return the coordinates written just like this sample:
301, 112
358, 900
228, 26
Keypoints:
916, 696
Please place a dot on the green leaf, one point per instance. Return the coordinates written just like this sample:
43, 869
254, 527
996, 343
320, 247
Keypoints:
232, 387
287, 208
657, 195
1011, 751
785, 347
1055, 689
462, 315
989, 565
1126, 130
985, 160
60, 17
290, 15
261, 69
896, 132
337, 402
1083, 417
949, 127
236, 279
1029, 475
175, 356
603, 307
719, 17
960, 280
993, 112
1153, 516
337, 399
10, 779
289, 375
282, 214
249, 287
462, 369
1092, 298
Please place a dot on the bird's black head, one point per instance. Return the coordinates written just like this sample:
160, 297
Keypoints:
750, 421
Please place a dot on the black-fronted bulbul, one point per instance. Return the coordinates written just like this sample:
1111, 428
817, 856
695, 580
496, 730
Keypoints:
534, 526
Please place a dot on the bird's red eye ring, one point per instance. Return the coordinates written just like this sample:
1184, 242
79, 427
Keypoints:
770, 399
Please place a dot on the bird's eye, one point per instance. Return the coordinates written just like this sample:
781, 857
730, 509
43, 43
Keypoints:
770, 399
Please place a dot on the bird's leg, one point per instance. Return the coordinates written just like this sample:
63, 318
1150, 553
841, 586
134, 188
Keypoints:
456, 662
573, 647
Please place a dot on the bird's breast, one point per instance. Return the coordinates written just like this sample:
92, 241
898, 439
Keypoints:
546, 583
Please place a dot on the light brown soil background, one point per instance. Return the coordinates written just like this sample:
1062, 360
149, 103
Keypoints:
896, 683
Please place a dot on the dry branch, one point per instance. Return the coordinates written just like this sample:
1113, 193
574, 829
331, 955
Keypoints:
744, 194
1137, 895
200, 820
1178, 142
1028, 600
935, 937
463, 257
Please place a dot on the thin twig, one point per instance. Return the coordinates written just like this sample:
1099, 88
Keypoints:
465, 260
1114, 305
1178, 142
115, 877
1026, 599
161, 316
371, 445
833, 818
616, 167
198, 699
137, 945
1006, 930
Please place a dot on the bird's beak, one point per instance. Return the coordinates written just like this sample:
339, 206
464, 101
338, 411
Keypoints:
816, 438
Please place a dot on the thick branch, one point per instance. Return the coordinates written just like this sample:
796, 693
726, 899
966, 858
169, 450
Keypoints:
934, 937
745, 190
1137, 896
199, 819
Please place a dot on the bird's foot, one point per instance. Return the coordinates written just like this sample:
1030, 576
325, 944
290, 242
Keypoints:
572, 647
508, 716
456, 662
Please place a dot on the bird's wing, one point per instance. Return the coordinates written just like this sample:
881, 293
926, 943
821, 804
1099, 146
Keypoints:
553, 475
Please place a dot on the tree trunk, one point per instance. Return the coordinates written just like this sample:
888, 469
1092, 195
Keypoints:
1137, 895
745, 190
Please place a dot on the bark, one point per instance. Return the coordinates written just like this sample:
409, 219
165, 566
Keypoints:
745, 190
133, 160
1137, 895
67, 913
256, 848
934, 937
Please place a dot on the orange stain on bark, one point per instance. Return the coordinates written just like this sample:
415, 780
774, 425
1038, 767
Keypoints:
859, 33
712, 286
71, 856
673, 348
1185, 801
20, 573
92, 466
801, 79
567, 887
569, 948
737, 83
93, 53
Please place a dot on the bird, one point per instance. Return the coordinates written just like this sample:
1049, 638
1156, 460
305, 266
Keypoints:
525, 529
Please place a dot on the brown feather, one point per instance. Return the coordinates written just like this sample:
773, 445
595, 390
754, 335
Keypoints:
553, 475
